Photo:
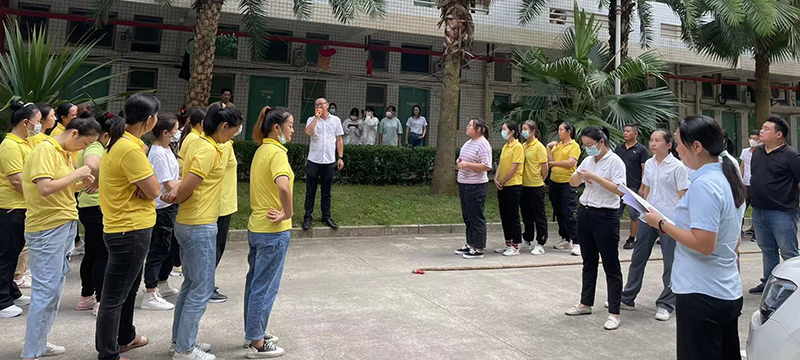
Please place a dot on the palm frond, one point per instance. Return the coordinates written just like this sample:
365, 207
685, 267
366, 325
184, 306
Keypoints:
730, 11
645, 13
344, 10
645, 108
637, 68
302, 9
100, 9
761, 16
375, 9
529, 10
254, 19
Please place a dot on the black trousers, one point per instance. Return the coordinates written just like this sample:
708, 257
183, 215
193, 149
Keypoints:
12, 240
160, 242
319, 174
93, 264
599, 233
473, 204
508, 200
707, 327
534, 214
114, 326
223, 224
564, 199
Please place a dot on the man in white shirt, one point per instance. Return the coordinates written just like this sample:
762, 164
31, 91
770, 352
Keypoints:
325, 131
744, 167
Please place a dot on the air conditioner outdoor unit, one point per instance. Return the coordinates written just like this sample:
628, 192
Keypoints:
299, 56
747, 96
123, 41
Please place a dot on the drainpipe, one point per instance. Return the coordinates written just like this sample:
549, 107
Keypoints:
617, 44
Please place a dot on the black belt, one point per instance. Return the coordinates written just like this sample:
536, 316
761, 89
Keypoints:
599, 209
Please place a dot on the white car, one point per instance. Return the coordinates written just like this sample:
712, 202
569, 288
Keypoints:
775, 327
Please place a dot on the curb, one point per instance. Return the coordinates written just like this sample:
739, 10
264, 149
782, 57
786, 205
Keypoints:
378, 231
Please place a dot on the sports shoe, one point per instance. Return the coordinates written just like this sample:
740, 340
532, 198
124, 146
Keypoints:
501, 249
563, 245
537, 250
511, 251
576, 310
96, 308
758, 290
463, 250
629, 243
612, 323
53, 350
473, 254
662, 314
622, 306
576, 250
22, 301
154, 301
86, 303
196, 354
268, 350
165, 290
267, 337
10, 311
217, 297
205, 347
24, 283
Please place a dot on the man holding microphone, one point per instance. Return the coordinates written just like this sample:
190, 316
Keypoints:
325, 131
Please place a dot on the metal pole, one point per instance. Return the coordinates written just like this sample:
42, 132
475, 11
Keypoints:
617, 45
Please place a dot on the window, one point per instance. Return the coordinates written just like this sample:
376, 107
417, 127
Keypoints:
28, 23
502, 70
312, 50
500, 99
558, 16
312, 90
219, 82
147, 39
227, 45
140, 79
415, 62
380, 59
671, 31
425, 3
730, 92
278, 50
86, 31
376, 97
708, 88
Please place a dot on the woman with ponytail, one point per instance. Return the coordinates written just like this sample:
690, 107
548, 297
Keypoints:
474, 162
508, 181
705, 276
192, 131
127, 190
531, 202
51, 223
14, 152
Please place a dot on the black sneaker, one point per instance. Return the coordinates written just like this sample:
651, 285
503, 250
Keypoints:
629, 243
463, 250
757, 290
749, 232
268, 350
473, 254
306, 223
217, 297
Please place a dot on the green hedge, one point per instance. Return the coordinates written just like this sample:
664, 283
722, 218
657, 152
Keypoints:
370, 165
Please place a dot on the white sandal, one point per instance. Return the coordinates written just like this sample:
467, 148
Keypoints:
576, 311
612, 323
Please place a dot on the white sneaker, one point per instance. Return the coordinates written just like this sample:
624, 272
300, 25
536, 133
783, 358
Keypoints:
501, 249
577, 310
11, 311
196, 354
22, 301
511, 251
268, 350
563, 245
576, 250
537, 250
662, 314
24, 283
154, 301
268, 337
53, 350
206, 347
165, 290
612, 323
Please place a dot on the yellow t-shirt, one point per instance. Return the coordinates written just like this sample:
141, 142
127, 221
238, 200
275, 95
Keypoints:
120, 168
89, 200
36, 139
14, 153
228, 200
512, 153
204, 159
269, 162
58, 129
535, 156
563, 152
48, 161
190, 138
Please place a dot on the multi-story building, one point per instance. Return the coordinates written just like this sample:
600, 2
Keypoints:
405, 70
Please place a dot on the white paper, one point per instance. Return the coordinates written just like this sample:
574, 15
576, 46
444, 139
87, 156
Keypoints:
632, 199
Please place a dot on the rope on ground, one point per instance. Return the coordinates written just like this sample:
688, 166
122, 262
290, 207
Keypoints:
421, 271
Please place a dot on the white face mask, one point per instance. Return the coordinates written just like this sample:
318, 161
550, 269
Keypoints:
238, 131
37, 128
353, 117
753, 143
176, 136
389, 114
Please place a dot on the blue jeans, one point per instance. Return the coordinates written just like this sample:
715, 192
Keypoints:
48, 252
266, 257
198, 257
775, 230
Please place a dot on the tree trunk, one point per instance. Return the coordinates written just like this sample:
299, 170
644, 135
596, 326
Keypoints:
205, 47
763, 91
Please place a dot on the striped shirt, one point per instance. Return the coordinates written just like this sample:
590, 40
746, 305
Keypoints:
475, 151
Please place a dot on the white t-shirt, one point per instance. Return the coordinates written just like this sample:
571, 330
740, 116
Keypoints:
610, 168
746, 157
416, 125
665, 181
370, 131
165, 166
322, 149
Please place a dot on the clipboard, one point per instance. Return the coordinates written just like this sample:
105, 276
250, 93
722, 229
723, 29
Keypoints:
632, 199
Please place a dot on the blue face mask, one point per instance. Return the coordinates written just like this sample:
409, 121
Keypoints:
504, 134
592, 151
282, 139
525, 134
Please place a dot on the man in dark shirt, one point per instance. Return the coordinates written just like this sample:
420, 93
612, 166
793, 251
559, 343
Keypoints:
775, 170
634, 155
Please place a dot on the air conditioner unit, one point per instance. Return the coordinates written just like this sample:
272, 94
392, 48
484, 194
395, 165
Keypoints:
747, 96
299, 55
778, 95
440, 65
123, 41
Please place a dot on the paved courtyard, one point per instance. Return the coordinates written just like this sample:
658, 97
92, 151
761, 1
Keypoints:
356, 298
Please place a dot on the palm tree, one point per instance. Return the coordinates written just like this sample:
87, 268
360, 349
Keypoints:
767, 29
577, 89
254, 18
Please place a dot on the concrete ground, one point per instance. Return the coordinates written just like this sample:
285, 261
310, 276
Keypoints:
356, 298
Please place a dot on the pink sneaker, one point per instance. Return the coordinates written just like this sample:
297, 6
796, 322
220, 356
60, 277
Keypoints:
96, 308
86, 303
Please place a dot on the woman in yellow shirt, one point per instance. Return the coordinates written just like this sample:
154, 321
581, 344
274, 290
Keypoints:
196, 225
64, 114
562, 157
49, 182
192, 131
271, 182
228, 204
127, 189
14, 152
532, 199
37, 135
508, 181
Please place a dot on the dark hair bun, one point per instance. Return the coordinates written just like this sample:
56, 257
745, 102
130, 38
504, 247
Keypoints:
16, 105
